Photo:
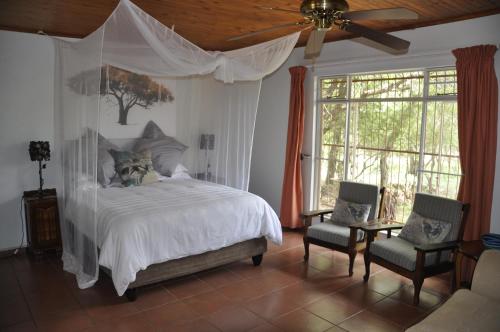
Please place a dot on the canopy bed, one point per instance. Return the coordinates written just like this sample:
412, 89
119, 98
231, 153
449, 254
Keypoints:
136, 212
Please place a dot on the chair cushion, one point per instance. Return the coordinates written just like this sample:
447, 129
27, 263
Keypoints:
421, 230
464, 311
402, 253
332, 233
346, 213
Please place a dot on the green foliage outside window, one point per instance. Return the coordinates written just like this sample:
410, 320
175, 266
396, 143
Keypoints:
388, 114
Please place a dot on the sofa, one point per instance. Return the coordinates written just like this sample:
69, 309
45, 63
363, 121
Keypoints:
477, 309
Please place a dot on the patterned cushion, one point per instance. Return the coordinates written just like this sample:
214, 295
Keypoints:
440, 208
421, 230
134, 169
332, 233
361, 193
402, 253
347, 213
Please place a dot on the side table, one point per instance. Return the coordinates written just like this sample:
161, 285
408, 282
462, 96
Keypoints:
470, 249
371, 229
42, 222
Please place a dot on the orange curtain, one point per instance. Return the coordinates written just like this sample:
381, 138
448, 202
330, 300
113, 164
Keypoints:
477, 133
291, 197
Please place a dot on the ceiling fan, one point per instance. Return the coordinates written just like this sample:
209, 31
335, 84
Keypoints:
322, 15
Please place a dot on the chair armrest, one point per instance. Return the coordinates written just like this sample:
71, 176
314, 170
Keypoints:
436, 246
487, 274
316, 213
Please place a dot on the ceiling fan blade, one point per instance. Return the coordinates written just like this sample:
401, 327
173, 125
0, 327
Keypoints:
280, 9
377, 36
276, 27
314, 44
381, 14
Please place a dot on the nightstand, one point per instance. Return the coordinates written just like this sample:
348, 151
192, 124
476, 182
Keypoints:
42, 221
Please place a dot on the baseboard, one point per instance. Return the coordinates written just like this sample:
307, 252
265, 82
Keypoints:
10, 252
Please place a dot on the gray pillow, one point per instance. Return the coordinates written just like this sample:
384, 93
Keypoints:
105, 163
166, 151
347, 213
422, 230
152, 130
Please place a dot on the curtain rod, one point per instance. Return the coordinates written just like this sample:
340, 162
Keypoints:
317, 65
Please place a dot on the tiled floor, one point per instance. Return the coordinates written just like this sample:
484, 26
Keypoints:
283, 294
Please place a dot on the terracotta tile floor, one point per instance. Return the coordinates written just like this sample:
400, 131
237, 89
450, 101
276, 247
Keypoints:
283, 294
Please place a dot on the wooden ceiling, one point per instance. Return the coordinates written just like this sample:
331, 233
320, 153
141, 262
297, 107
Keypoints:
209, 23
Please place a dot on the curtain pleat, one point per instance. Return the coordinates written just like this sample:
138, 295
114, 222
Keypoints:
292, 196
477, 133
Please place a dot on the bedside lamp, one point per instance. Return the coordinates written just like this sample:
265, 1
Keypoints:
40, 151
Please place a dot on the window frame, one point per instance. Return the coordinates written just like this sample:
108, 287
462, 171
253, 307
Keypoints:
318, 128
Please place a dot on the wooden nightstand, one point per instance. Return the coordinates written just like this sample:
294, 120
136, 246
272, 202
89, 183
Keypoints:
42, 221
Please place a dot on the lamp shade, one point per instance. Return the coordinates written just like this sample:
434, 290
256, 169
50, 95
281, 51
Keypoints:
39, 150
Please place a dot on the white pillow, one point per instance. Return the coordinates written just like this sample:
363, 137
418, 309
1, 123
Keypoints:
181, 172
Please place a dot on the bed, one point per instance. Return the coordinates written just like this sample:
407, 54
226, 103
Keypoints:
175, 227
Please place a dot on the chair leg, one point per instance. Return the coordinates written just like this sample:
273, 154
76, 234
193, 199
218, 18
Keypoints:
352, 257
367, 266
306, 249
417, 283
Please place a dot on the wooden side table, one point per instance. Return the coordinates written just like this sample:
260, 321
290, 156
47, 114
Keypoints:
42, 221
470, 249
371, 229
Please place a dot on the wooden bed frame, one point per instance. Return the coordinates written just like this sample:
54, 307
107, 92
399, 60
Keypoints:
156, 273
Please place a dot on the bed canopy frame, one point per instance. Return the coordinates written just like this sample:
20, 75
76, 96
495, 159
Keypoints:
216, 93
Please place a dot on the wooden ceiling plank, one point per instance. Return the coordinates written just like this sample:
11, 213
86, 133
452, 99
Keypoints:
223, 18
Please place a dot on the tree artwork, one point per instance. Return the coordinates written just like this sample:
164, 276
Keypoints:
126, 88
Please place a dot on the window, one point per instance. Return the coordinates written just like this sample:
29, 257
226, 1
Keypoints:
394, 129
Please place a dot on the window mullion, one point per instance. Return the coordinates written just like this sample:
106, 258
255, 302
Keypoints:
347, 129
422, 131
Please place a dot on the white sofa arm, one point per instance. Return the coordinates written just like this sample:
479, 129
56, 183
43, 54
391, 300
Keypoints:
486, 277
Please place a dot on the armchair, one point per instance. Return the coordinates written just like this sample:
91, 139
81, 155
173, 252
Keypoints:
345, 239
418, 262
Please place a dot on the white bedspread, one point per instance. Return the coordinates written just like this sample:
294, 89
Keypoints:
144, 225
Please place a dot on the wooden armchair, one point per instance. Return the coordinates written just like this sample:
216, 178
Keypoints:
418, 262
345, 239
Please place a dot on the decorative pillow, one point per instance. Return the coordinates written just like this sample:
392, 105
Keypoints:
347, 213
134, 169
166, 151
422, 230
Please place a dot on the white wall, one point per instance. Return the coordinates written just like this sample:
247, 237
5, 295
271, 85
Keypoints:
26, 113
431, 47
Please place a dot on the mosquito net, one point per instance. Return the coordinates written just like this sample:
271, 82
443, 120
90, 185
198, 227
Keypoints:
210, 100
